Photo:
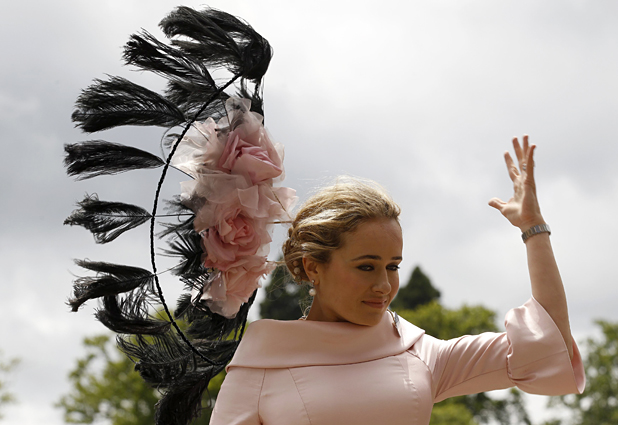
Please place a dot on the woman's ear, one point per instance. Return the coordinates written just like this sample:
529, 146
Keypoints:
311, 268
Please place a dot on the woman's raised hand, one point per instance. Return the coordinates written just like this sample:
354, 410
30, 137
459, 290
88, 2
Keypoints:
522, 210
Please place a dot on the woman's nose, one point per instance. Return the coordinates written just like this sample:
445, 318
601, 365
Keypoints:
382, 285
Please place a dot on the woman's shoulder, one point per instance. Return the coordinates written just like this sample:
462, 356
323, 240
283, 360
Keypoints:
281, 344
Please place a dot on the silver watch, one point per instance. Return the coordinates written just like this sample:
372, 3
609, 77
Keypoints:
535, 230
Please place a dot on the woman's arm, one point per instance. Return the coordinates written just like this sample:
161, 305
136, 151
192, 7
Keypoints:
239, 398
523, 211
547, 286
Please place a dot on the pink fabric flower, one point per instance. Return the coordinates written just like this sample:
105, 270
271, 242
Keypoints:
262, 202
234, 164
251, 155
233, 237
243, 148
192, 151
230, 289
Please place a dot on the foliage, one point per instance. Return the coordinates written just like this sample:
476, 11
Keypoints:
443, 323
106, 386
284, 297
451, 413
598, 405
480, 409
418, 291
6, 366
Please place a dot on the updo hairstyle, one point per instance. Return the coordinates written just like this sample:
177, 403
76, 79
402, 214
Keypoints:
326, 216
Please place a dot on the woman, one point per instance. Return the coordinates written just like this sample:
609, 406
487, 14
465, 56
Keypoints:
352, 362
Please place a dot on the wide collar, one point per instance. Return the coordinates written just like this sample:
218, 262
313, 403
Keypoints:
282, 344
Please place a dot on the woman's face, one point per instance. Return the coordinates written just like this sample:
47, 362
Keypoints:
361, 278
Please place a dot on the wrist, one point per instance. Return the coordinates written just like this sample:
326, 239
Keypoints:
524, 226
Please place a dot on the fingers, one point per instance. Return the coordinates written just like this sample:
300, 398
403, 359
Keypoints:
518, 152
530, 161
497, 203
523, 154
511, 167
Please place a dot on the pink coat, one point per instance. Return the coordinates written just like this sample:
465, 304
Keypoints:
324, 373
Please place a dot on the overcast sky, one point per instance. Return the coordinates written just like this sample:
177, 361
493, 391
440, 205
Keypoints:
422, 96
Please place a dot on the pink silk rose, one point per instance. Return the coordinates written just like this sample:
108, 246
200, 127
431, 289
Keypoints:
246, 150
230, 289
234, 165
252, 155
232, 238
258, 202
240, 282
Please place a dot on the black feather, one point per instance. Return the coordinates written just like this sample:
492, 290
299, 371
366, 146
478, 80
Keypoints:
117, 102
148, 53
106, 220
161, 358
176, 207
202, 43
97, 157
221, 39
257, 103
208, 325
165, 359
123, 317
111, 279
181, 227
190, 99
182, 403
166, 363
188, 246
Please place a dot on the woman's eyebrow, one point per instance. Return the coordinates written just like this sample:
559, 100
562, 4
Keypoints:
374, 257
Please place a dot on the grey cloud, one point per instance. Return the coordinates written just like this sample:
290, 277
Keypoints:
421, 96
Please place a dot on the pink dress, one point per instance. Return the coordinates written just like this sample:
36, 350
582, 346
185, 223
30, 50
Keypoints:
324, 373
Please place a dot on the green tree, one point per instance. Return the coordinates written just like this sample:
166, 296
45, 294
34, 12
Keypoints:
286, 300
6, 366
451, 413
105, 386
284, 297
598, 405
443, 323
418, 291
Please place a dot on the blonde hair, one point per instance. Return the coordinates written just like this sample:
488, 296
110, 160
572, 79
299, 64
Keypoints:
326, 216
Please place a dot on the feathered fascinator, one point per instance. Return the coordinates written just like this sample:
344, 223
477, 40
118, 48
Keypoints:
223, 214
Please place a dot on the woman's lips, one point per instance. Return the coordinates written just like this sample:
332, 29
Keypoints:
375, 303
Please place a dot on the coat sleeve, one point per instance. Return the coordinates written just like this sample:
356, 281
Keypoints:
531, 355
238, 400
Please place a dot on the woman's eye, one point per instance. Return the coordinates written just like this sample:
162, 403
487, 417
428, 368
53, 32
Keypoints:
369, 268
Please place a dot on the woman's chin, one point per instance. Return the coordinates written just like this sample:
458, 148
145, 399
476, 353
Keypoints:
368, 319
